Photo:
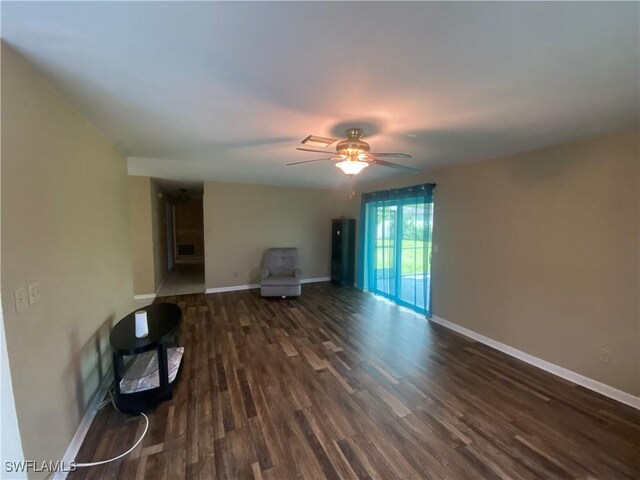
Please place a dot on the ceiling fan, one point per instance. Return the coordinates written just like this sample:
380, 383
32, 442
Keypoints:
352, 154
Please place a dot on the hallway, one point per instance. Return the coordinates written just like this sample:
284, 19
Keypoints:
183, 279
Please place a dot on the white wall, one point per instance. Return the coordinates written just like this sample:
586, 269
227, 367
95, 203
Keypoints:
11, 443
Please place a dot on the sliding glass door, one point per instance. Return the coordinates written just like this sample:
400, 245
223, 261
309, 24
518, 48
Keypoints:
397, 245
384, 248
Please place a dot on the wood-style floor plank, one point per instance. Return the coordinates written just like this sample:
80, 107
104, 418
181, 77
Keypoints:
339, 384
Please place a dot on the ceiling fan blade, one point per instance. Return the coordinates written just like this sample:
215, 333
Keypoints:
400, 155
309, 161
312, 150
394, 165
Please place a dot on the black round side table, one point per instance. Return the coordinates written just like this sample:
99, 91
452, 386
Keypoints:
164, 321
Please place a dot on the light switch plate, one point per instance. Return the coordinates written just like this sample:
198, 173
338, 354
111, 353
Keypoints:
34, 293
21, 299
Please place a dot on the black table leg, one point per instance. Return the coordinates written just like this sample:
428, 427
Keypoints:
163, 367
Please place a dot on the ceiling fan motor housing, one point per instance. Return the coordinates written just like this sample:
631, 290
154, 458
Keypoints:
352, 145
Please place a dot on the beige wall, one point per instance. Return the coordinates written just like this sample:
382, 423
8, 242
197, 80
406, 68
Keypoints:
141, 225
241, 221
65, 224
148, 235
10, 438
159, 230
541, 251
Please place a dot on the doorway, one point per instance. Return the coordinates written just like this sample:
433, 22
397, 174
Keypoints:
397, 247
185, 244
169, 224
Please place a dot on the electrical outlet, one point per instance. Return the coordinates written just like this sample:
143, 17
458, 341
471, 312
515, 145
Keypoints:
21, 299
604, 355
34, 293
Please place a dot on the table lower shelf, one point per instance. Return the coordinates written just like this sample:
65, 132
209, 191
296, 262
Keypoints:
152, 380
137, 395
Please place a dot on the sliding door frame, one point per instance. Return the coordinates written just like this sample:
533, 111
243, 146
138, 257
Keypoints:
368, 245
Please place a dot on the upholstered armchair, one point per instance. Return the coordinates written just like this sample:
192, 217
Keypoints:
281, 274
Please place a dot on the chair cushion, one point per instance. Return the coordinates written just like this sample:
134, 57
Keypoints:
281, 261
278, 280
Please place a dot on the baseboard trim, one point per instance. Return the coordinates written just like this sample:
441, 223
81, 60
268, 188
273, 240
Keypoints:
233, 288
146, 296
152, 296
236, 288
315, 280
85, 424
591, 384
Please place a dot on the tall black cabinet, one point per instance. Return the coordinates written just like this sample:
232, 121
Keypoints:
343, 251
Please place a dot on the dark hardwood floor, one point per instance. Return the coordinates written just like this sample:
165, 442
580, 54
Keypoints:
339, 384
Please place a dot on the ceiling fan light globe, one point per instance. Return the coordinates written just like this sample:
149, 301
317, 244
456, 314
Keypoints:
351, 167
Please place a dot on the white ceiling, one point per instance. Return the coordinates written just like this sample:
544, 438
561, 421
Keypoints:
226, 91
